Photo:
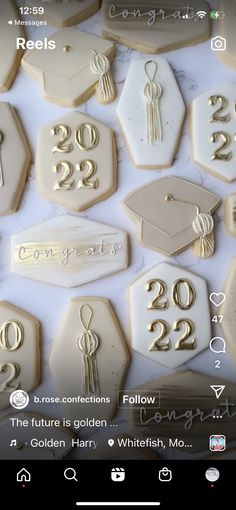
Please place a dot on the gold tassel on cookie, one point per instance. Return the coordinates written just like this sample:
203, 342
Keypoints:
203, 225
153, 93
101, 66
88, 344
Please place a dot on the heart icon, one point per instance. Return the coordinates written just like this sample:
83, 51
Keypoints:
217, 298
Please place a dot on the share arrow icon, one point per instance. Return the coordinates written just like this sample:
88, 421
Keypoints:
218, 389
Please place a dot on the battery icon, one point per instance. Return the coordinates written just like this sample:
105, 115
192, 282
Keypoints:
215, 15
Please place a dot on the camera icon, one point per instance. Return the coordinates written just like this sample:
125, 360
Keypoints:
218, 43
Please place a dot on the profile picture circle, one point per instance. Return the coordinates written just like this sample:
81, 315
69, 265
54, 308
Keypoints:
212, 474
19, 399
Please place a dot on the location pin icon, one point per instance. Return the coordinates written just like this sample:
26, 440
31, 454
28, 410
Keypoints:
111, 442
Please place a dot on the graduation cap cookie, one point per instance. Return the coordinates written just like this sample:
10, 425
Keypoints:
173, 214
77, 68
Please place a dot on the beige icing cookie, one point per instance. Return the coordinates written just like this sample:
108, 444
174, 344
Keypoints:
69, 251
70, 74
19, 352
187, 410
230, 214
170, 317
64, 13
76, 161
171, 214
153, 27
121, 450
151, 113
15, 159
90, 358
213, 131
10, 56
32, 441
228, 310
227, 31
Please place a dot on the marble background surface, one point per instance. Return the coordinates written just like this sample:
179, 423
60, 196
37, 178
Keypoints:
197, 69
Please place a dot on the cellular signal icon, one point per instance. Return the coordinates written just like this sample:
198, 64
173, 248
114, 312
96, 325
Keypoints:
201, 14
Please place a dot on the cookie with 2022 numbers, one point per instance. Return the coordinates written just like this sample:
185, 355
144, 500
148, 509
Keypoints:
152, 27
170, 317
92, 348
19, 352
15, 159
76, 162
172, 214
151, 113
73, 67
62, 13
213, 119
10, 55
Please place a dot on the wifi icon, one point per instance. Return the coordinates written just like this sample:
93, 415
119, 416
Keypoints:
201, 14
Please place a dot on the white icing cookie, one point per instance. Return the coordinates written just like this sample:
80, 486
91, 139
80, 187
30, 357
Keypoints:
171, 214
19, 352
187, 410
76, 161
230, 214
227, 31
70, 74
213, 131
69, 251
15, 159
154, 27
10, 56
170, 318
61, 13
90, 326
151, 113
32, 441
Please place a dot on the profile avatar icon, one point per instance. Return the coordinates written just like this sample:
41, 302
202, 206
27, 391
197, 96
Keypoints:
19, 399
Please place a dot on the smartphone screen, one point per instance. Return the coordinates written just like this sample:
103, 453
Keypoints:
117, 250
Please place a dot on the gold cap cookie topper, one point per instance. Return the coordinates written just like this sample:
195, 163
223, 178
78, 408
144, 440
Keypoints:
169, 223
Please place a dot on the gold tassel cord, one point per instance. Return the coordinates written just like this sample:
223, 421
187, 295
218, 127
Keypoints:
203, 225
88, 344
100, 65
153, 93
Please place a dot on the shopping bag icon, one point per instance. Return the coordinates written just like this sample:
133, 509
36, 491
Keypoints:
165, 475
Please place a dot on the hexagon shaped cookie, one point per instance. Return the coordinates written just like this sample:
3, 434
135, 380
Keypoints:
213, 131
63, 13
169, 313
34, 440
90, 358
15, 159
69, 251
19, 352
151, 112
153, 27
76, 161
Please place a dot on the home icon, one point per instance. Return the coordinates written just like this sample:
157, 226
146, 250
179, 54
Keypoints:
23, 476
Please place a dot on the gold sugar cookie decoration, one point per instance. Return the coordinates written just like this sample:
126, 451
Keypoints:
88, 343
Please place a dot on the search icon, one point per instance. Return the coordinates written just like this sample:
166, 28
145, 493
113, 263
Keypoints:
70, 474
218, 345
